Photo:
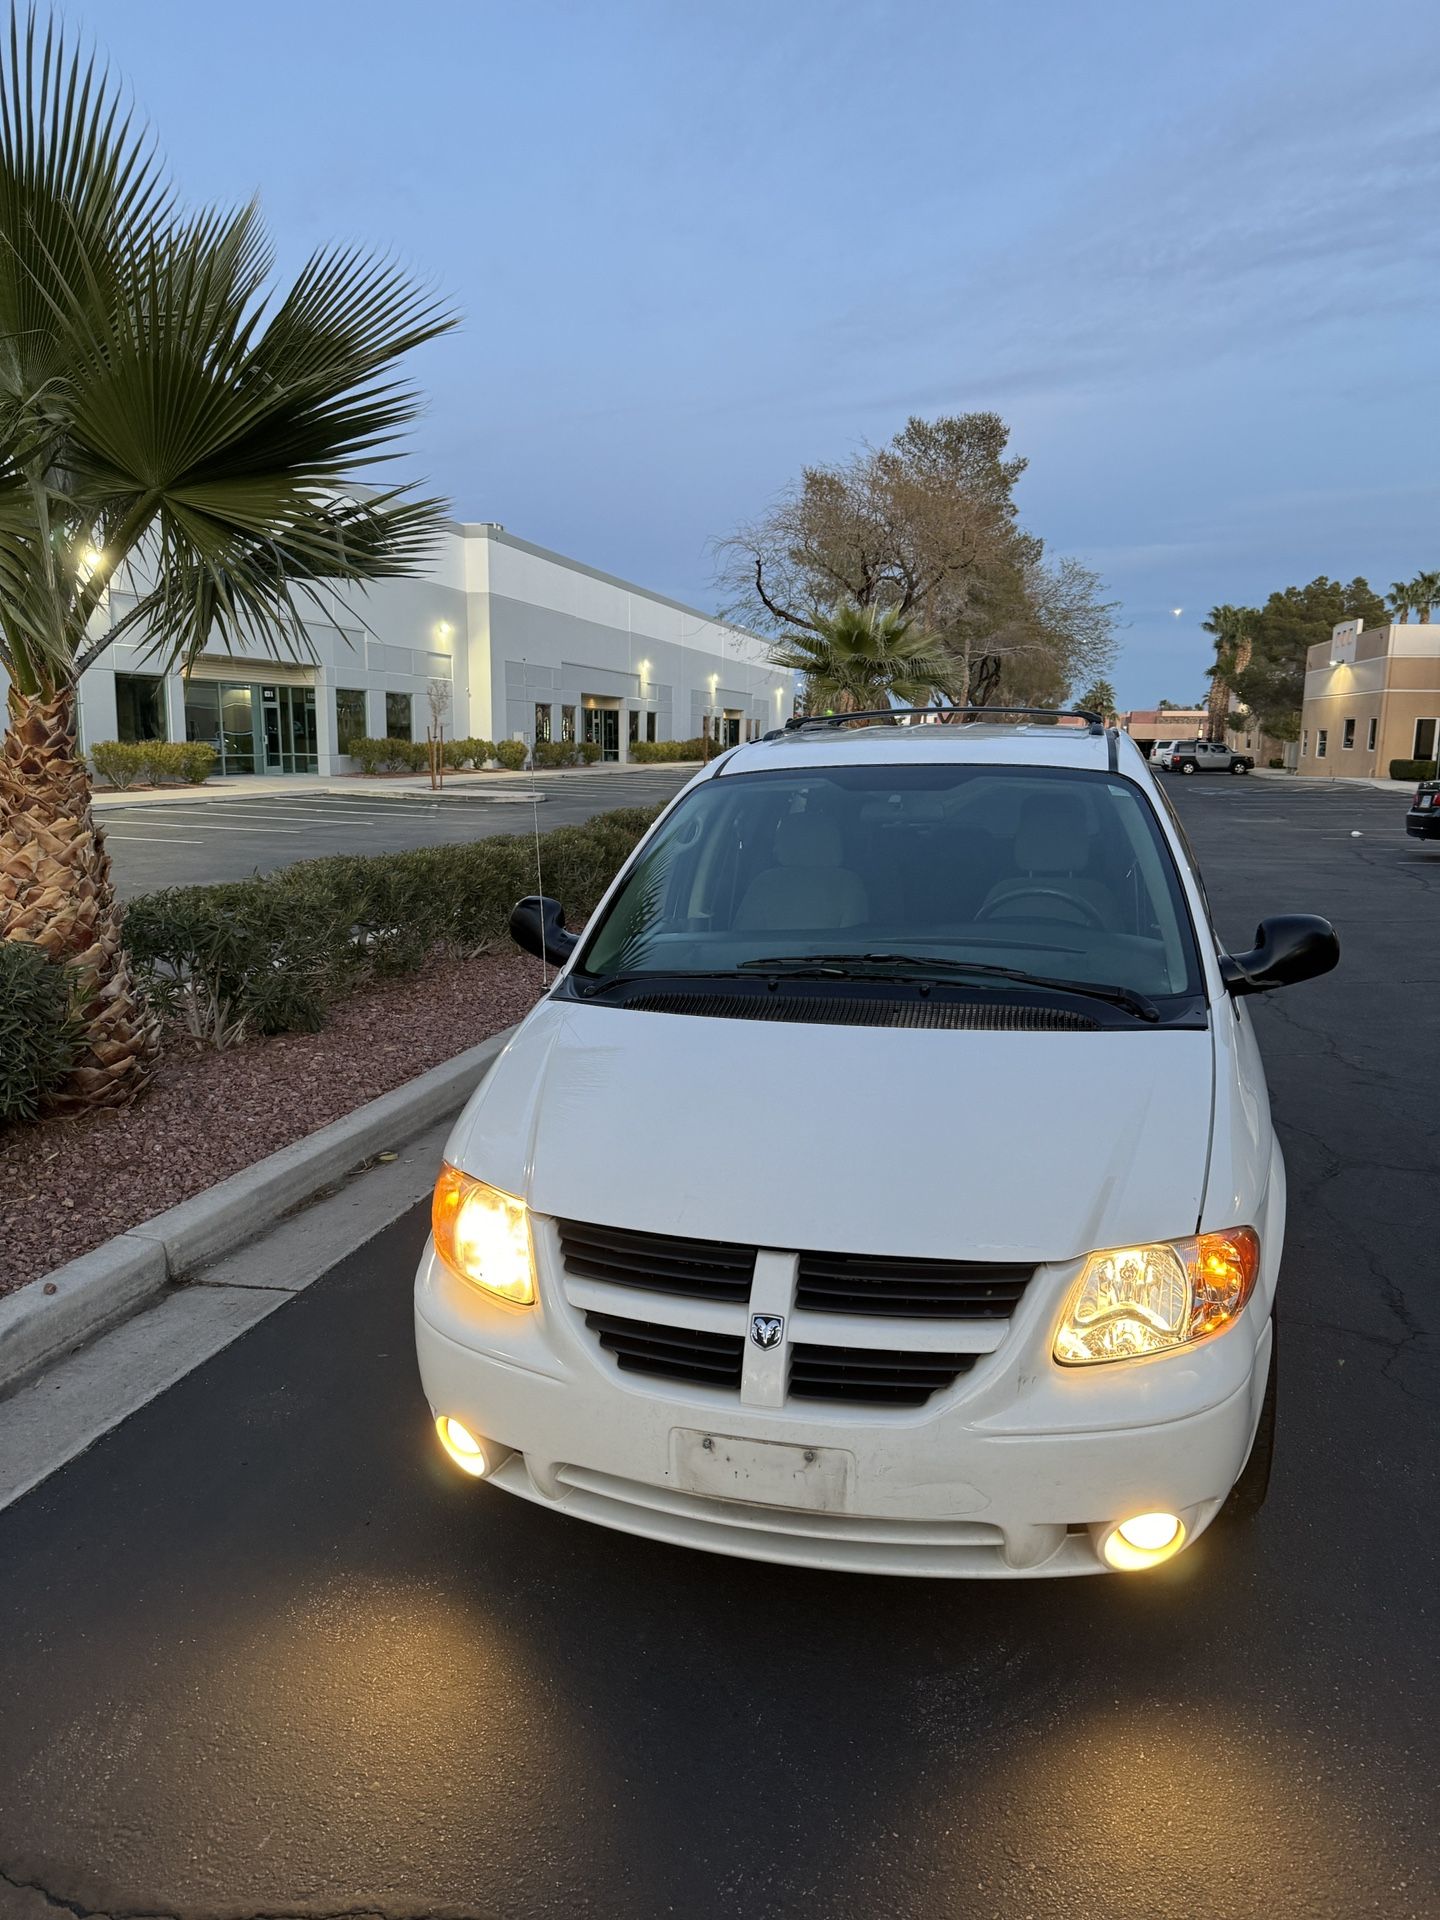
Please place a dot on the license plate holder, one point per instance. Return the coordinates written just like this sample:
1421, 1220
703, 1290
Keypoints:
771, 1473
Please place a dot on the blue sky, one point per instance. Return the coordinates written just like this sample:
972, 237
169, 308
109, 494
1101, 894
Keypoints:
1189, 253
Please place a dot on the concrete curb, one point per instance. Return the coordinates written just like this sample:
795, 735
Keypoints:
113, 1281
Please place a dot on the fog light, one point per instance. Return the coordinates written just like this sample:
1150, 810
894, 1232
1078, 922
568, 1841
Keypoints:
1143, 1541
463, 1448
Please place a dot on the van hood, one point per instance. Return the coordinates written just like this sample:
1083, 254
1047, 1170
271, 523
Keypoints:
933, 1144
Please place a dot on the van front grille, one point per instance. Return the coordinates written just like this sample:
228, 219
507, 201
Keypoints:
904, 1289
674, 1353
697, 1269
874, 1374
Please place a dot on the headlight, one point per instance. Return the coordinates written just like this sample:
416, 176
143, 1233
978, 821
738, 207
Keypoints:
484, 1236
1137, 1300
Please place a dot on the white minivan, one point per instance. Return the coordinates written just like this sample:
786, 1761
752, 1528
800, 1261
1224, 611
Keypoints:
835, 1205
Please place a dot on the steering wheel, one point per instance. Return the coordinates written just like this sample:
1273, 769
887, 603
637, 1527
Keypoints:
1085, 909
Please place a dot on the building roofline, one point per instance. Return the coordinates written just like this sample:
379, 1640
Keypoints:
492, 530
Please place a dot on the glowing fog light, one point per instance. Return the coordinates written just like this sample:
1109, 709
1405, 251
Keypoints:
1143, 1541
462, 1446
484, 1236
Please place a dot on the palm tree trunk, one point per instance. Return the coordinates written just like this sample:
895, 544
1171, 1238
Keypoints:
55, 891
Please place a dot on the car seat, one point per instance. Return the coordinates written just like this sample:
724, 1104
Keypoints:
1051, 852
807, 887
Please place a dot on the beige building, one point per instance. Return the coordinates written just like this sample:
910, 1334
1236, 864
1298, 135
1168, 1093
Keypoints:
1372, 695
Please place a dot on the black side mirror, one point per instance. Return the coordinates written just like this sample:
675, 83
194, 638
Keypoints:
537, 923
1291, 947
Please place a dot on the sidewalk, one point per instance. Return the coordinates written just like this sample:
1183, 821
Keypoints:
1330, 780
496, 784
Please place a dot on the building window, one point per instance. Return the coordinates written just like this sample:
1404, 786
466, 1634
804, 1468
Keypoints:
349, 717
567, 724
397, 717
649, 726
634, 726
1322, 741
542, 721
139, 706
1424, 740
1305, 744
1370, 735
1347, 738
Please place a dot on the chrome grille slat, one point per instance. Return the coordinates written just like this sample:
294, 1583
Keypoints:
701, 1269
899, 1287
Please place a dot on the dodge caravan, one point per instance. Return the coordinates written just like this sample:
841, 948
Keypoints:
833, 1205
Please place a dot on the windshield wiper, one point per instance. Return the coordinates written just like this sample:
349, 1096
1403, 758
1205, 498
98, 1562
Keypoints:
603, 982
816, 965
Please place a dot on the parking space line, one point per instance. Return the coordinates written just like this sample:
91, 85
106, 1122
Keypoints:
149, 839
206, 826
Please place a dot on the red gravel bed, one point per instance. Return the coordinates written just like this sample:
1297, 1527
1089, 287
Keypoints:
68, 1185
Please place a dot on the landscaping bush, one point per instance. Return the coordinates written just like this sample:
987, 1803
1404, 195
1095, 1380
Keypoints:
1412, 769
590, 751
556, 753
267, 955
1276, 761
197, 761
510, 754
38, 1032
367, 753
662, 751
121, 762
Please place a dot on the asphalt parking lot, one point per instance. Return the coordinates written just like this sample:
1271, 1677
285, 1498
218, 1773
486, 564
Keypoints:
263, 1653
180, 841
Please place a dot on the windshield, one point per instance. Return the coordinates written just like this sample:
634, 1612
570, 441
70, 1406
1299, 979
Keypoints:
1061, 873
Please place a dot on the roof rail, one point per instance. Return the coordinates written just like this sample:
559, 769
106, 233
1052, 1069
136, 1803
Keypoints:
896, 716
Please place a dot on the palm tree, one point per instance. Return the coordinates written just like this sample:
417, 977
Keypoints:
1425, 591
160, 423
860, 658
1100, 699
1402, 600
1229, 627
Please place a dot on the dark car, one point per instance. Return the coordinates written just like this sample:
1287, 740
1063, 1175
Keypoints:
1423, 819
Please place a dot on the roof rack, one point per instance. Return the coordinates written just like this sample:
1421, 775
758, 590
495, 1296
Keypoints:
896, 716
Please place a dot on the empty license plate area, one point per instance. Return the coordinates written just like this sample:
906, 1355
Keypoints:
766, 1472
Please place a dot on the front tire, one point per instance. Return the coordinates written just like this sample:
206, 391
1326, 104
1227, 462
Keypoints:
1238, 766
1187, 766
1247, 1496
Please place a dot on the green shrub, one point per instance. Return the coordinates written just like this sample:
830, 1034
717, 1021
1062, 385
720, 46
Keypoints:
1412, 770
368, 754
38, 1033
121, 762
664, 751
510, 754
456, 753
555, 753
396, 754
197, 761
1275, 761
268, 955
590, 751
477, 752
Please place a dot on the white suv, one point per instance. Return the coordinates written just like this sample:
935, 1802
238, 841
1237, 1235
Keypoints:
834, 1206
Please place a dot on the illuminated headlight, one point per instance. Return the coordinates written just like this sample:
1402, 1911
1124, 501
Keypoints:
484, 1236
1131, 1301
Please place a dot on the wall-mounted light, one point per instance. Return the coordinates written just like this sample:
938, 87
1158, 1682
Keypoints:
442, 627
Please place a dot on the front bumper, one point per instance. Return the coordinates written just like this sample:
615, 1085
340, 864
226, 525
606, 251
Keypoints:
1008, 1473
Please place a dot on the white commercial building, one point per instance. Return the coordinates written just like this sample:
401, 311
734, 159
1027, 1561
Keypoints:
523, 643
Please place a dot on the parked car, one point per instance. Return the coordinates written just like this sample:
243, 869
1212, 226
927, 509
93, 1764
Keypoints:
834, 1205
1160, 753
1207, 756
1422, 822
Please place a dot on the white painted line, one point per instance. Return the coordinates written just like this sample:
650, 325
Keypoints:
204, 826
149, 840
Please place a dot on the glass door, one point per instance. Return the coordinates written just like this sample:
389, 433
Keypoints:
291, 734
610, 733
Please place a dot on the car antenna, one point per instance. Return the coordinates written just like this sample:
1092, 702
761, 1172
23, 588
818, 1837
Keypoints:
535, 817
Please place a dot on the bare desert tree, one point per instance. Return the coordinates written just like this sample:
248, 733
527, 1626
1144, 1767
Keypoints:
925, 528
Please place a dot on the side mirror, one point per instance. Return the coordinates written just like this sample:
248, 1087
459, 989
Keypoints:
537, 923
1291, 947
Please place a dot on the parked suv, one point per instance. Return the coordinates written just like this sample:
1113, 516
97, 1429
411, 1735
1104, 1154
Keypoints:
834, 1205
1207, 756
1422, 822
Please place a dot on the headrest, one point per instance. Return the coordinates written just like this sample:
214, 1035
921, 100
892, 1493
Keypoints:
1053, 836
807, 840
